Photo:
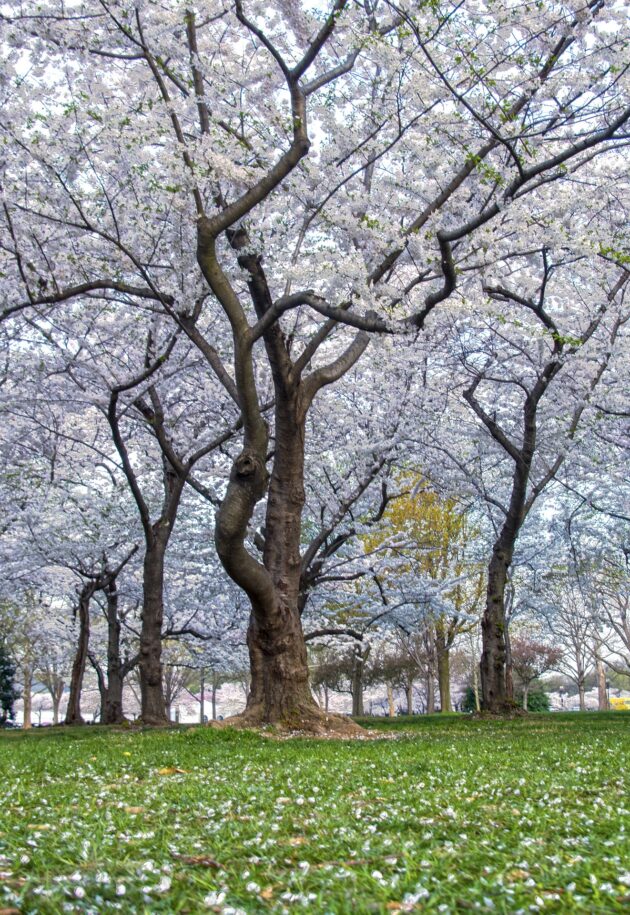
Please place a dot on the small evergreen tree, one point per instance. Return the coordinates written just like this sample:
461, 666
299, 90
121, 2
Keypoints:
8, 691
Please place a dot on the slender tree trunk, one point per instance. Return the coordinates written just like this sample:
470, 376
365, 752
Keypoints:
56, 702
581, 693
444, 672
525, 694
73, 711
390, 701
358, 669
28, 695
409, 695
602, 693
154, 709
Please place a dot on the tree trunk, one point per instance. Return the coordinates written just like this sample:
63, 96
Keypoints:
390, 701
73, 711
602, 693
56, 702
581, 693
444, 672
279, 688
492, 666
112, 707
55, 686
409, 695
360, 657
28, 695
153, 705
525, 694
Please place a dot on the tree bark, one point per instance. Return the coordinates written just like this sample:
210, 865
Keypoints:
357, 683
112, 706
28, 695
154, 710
509, 672
279, 688
56, 702
492, 666
390, 701
581, 693
73, 711
525, 694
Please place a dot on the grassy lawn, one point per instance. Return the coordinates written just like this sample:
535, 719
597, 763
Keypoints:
447, 816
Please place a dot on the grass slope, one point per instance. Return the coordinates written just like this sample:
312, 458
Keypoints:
451, 815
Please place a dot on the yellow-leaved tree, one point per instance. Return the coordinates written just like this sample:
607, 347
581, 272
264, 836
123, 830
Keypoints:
426, 537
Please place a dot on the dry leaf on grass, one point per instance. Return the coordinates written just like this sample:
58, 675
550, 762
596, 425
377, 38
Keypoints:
172, 770
199, 861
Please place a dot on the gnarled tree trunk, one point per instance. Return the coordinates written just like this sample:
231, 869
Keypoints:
279, 689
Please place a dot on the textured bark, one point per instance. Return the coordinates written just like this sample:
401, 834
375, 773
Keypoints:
509, 672
153, 705
492, 665
280, 687
582, 695
73, 711
112, 704
409, 695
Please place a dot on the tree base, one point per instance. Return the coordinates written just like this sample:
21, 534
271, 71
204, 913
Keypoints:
150, 721
309, 721
504, 710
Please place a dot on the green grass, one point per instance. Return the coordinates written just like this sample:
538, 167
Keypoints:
450, 815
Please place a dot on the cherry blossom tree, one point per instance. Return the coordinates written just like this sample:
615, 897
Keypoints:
280, 182
530, 660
